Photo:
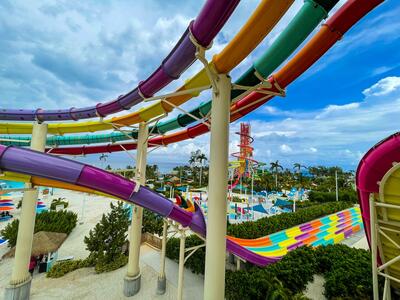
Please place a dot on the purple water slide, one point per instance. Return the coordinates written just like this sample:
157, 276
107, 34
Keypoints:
204, 28
35, 163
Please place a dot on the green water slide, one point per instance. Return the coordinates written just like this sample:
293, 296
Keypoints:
305, 21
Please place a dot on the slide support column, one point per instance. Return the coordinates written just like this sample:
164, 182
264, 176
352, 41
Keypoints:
374, 246
214, 284
133, 276
181, 269
20, 283
161, 281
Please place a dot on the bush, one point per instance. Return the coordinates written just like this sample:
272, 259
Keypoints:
152, 223
323, 197
53, 221
106, 239
61, 268
196, 262
285, 279
296, 268
105, 243
59, 201
347, 272
252, 285
268, 225
105, 266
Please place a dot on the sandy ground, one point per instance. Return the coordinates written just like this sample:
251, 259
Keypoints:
85, 284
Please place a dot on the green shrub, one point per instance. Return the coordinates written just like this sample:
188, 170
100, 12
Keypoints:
347, 271
53, 221
285, 279
59, 201
268, 225
152, 223
59, 269
253, 284
105, 266
196, 262
106, 239
323, 197
105, 243
296, 268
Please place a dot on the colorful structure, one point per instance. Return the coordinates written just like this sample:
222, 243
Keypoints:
6, 204
40, 206
229, 103
378, 186
245, 163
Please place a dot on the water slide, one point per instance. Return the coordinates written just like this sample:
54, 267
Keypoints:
201, 31
65, 172
332, 31
378, 177
263, 251
261, 22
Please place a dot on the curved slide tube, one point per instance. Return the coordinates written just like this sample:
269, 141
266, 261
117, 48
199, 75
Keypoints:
378, 176
203, 29
332, 31
261, 22
261, 252
305, 21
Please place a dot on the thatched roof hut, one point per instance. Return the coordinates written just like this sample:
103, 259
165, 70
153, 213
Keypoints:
43, 243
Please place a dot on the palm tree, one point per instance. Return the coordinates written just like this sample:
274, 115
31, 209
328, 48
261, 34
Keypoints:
297, 168
200, 158
193, 161
275, 166
103, 159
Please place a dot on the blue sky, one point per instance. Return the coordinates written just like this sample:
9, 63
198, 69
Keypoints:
57, 54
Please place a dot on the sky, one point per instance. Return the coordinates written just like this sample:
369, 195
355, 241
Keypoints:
59, 54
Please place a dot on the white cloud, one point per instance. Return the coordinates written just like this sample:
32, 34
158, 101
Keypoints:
333, 108
383, 87
285, 148
335, 135
313, 149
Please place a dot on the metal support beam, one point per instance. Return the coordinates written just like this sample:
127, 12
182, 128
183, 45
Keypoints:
214, 284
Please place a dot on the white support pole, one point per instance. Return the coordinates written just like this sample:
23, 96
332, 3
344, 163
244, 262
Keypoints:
373, 249
214, 284
181, 264
132, 278
161, 281
20, 283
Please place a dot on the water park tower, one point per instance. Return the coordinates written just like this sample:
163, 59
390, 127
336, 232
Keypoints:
245, 164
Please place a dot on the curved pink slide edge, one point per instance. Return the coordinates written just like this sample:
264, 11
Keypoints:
373, 166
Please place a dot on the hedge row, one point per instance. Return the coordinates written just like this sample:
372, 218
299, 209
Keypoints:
323, 197
347, 272
152, 222
195, 262
62, 268
53, 221
268, 225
